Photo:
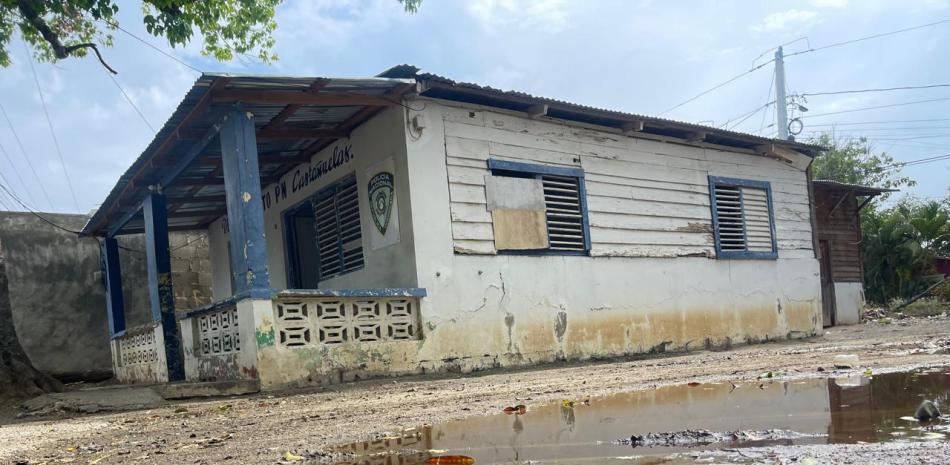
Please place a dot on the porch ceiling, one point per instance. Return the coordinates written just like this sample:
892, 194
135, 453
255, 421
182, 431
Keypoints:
294, 117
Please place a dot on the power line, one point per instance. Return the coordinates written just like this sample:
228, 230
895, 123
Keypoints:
6, 155
59, 152
30, 210
128, 99
717, 86
809, 50
857, 123
26, 157
883, 89
877, 107
173, 57
861, 39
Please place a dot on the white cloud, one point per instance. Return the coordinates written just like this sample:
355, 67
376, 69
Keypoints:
829, 3
784, 20
547, 14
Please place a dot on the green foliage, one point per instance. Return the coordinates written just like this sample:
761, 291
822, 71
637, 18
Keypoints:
58, 29
853, 162
899, 245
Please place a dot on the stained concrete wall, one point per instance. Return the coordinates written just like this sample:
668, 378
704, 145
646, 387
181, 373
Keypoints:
849, 301
390, 265
58, 295
652, 284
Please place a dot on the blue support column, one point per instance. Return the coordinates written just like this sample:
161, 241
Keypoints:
161, 295
242, 183
115, 304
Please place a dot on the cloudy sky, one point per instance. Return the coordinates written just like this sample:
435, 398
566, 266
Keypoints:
638, 56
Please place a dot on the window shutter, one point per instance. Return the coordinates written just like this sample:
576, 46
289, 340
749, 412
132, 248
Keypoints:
731, 231
758, 230
564, 215
339, 234
351, 243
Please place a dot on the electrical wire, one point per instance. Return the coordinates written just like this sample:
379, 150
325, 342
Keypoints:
857, 123
861, 39
6, 155
768, 96
59, 152
26, 157
128, 99
173, 57
877, 107
717, 86
802, 52
34, 213
882, 89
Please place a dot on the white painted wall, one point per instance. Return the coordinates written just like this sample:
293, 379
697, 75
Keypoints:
849, 301
652, 283
392, 266
649, 202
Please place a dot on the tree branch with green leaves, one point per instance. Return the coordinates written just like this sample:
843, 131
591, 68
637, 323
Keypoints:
60, 29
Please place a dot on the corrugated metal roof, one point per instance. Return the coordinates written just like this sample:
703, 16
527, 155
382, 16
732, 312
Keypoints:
197, 113
584, 113
857, 188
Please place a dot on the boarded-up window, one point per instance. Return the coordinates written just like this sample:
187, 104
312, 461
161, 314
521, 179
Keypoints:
538, 209
742, 218
339, 234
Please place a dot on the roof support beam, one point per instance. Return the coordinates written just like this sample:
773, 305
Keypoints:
245, 208
289, 110
537, 111
300, 98
631, 127
697, 136
161, 294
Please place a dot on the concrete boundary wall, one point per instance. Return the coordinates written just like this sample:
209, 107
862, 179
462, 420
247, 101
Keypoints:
58, 295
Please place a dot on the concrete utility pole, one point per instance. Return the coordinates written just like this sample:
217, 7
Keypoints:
781, 104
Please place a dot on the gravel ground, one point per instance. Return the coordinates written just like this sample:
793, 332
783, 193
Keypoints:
892, 453
261, 428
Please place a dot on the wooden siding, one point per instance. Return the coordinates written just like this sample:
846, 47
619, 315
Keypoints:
645, 198
842, 231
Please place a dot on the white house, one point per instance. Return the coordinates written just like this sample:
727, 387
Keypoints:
407, 223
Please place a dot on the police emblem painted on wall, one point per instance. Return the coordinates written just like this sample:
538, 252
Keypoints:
381, 192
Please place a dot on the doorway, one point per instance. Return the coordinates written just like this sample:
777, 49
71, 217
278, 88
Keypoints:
827, 285
301, 245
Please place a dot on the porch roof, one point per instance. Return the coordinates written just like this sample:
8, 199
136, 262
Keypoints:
295, 117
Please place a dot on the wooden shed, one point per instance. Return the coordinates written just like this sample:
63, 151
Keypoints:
838, 227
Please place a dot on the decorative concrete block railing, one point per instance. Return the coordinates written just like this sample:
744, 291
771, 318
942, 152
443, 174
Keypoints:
211, 342
307, 318
138, 355
218, 332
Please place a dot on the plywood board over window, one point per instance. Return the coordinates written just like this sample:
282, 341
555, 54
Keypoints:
518, 214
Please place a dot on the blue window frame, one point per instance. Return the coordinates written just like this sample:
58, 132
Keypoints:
743, 219
565, 199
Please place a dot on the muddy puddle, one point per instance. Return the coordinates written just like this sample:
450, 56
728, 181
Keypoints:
849, 409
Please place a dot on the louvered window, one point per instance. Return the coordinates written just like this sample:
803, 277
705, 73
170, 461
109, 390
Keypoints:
337, 222
742, 218
564, 204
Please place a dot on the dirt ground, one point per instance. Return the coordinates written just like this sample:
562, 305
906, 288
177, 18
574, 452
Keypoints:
262, 428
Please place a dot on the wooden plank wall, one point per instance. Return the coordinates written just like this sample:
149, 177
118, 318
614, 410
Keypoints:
645, 198
842, 231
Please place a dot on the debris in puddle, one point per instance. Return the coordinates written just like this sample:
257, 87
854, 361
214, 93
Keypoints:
450, 460
927, 411
693, 383
701, 437
519, 409
567, 403
846, 361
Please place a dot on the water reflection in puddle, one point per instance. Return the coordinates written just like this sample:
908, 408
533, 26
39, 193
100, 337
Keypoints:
837, 410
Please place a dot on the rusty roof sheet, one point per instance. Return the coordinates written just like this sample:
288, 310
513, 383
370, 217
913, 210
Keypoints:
857, 188
455, 90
